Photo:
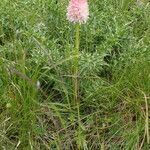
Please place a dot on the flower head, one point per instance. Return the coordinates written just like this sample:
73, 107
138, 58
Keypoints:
78, 11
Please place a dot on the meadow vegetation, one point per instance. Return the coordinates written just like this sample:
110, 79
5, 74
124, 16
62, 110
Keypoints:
36, 110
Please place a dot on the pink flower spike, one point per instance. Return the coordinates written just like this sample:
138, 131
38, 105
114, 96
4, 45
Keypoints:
78, 11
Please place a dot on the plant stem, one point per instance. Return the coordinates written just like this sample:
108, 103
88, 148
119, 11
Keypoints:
75, 73
76, 64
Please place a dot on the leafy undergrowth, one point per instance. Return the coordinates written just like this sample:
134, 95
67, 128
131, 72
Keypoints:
36, 43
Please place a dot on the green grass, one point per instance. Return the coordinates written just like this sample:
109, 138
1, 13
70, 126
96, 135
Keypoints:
36, 44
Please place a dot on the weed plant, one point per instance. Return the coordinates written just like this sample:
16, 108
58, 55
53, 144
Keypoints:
36, 43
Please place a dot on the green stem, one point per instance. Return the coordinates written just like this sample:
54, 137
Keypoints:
75, 74
76, 64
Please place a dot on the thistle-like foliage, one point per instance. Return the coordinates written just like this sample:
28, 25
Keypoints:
78, 11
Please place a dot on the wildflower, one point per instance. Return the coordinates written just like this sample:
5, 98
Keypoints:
78, 11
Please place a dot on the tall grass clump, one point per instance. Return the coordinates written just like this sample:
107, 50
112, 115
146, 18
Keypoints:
67, 85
